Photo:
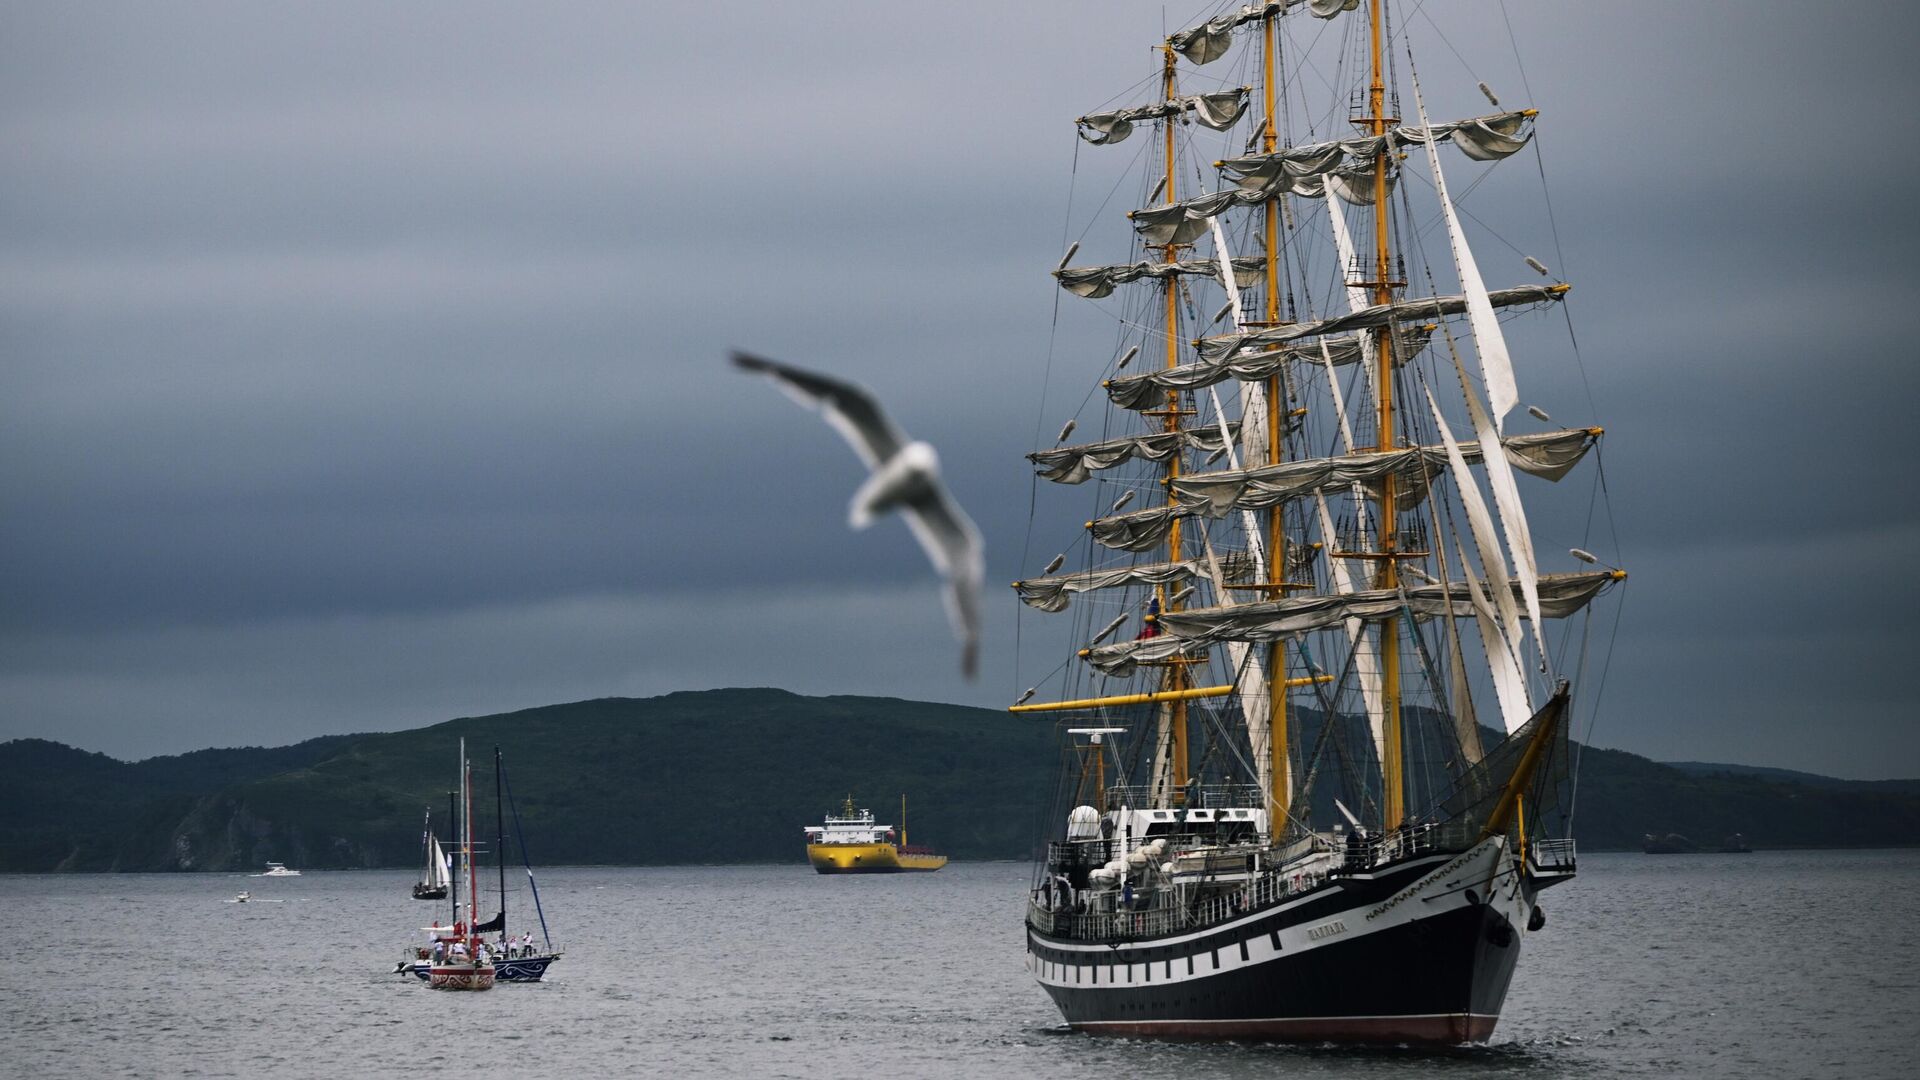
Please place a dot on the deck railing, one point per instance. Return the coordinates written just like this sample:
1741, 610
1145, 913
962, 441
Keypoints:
1160, 912
1552, 856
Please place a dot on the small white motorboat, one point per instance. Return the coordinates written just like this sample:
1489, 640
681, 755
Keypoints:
275, 869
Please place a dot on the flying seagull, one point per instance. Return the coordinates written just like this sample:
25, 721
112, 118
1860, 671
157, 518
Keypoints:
904, 476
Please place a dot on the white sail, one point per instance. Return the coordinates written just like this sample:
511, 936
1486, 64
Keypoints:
1466, 720
1496, 367
1252, 687
1496, 371
1513, 516
1502, 658
1509, 685
439, 867
1357, 297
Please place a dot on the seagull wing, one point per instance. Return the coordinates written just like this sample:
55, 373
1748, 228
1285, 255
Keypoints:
952, 542
849, 408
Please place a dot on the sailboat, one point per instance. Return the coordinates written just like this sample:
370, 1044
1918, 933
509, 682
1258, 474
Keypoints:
1278, 816
461, 962
515, 959
438, 873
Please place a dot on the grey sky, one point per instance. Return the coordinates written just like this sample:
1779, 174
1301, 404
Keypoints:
361, 365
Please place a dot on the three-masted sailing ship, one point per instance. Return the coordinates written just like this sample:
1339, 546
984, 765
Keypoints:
1281, 818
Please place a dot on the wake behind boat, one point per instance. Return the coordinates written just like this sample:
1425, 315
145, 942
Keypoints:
1283, 823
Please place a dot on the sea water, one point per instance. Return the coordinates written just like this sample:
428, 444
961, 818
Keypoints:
1776, 964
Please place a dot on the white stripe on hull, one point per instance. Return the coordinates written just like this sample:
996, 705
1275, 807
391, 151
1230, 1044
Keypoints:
1484, 870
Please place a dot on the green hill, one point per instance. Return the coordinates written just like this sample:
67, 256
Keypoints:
723, 776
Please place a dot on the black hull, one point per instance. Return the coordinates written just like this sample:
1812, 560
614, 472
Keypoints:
1428, 976
423, 893
519, 969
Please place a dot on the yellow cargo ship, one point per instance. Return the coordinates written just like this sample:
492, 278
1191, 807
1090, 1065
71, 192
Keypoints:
851, 843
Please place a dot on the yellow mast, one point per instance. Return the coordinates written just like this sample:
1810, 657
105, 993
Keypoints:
903, 819
1176, 676
1391, 766
1280, 781
1151, 697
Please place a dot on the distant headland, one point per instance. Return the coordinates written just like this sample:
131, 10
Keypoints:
732, 776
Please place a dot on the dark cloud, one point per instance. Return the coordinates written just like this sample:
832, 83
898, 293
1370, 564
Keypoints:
362, 365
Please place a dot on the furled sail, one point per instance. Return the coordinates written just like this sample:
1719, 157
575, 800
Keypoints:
1482, 138
1217, 111
1139, 530
1342, 166
1094, 282
1051, 593
1427, 307
1074, 464
1147, 389
1549, 454
1182, 222
1208, 42
1561, 595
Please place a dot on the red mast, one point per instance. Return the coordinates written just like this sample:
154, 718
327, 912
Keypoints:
466, 790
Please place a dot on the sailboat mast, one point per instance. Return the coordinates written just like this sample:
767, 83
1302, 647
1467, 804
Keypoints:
903, 819
453, 830
1175, 679
500, 842
1391, 765
1279, 779
466, 842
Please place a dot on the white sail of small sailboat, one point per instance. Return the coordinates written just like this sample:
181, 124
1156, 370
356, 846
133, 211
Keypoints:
1280, 816
438, 872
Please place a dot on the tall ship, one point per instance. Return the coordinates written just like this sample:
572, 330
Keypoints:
1319, 682
853, 843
